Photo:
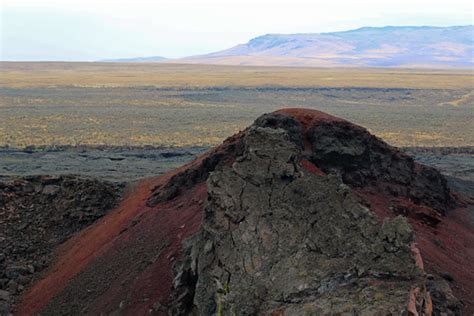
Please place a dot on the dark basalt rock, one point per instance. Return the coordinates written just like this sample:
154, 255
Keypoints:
443, 297
279, 238
364, 160
292, 127
39, 213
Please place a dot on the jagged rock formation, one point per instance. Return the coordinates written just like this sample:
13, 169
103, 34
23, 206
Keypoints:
38, 213
278, 238
300, 214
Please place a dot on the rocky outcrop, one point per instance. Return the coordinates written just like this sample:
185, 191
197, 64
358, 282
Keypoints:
37, 214
364, 160
278, 239
300, 214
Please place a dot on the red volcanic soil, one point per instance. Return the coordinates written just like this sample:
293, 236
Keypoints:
308, 117
128, 254
131, 222
311, 167
125, 259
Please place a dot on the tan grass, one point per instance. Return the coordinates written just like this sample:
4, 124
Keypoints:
48, 74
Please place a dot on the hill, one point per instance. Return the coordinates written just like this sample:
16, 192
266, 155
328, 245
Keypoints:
409, 47
301, 213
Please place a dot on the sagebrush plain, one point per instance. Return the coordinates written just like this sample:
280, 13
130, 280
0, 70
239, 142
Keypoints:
179, 105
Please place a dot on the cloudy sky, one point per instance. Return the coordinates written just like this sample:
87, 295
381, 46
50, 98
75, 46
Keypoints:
100, 29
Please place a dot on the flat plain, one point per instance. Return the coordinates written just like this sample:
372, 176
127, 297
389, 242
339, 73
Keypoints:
139, 104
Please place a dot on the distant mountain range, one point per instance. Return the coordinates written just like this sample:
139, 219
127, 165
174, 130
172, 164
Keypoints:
134, 59
406, 46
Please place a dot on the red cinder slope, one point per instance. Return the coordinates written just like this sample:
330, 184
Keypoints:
124, 262
125, 259
123, 238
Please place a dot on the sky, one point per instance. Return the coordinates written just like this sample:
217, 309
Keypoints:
89, 30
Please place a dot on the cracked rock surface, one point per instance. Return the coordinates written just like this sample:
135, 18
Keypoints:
279, 238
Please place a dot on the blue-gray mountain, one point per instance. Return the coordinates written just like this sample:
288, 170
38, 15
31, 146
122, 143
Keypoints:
430, 47
134, 59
